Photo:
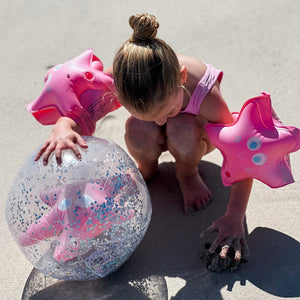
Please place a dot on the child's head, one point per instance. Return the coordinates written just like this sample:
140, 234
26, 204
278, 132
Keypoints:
145, 68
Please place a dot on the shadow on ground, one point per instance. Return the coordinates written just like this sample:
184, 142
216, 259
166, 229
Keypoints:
170, 250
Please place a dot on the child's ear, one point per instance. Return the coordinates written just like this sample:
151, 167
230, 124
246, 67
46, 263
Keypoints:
183, 74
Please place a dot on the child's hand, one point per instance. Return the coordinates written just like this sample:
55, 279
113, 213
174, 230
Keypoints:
63, 137
230, 233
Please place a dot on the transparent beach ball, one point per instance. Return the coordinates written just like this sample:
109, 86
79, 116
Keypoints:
82, 219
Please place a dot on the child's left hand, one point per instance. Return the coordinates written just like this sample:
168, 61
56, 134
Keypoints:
230, 233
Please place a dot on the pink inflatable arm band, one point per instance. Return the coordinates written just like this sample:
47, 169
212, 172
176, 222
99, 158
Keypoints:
78, 89
256, 145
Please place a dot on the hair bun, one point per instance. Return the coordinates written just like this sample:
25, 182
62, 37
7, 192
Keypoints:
144, 27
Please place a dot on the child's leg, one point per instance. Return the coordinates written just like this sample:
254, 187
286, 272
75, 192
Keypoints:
188, 142
145, 142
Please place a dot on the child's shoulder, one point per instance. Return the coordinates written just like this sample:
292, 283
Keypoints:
195, 67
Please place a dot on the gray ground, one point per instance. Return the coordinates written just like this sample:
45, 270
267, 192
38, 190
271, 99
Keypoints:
257, 44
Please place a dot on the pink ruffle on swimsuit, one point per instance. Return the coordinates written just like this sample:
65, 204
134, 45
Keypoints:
203, 87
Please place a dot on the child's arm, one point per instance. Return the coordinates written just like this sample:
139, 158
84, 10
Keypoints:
65, 135
230, 227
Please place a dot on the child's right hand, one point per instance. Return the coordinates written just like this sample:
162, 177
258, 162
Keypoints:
65, 135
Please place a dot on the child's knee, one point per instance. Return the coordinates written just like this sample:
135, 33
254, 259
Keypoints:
140, 134
187, 138
186, 130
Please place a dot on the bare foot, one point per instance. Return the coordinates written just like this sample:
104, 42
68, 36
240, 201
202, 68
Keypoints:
195, 192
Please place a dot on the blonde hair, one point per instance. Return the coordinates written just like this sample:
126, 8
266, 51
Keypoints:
145, 69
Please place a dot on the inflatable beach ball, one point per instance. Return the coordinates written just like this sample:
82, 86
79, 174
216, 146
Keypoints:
82, 219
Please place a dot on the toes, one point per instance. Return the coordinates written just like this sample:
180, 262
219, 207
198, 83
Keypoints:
196, 205
203, 202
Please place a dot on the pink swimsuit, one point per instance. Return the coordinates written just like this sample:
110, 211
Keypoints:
203, 87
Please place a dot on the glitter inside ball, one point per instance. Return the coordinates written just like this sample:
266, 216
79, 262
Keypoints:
82, 219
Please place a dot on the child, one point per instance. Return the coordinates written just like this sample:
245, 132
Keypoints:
171, 97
